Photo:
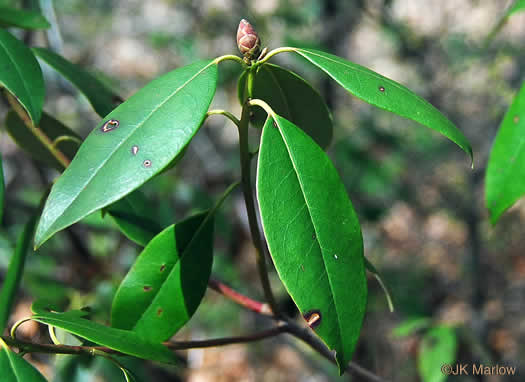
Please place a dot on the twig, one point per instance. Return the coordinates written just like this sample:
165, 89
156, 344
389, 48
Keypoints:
38, 133
246, 302
303, 333
272, 332
31, 347
307, 336
247, 189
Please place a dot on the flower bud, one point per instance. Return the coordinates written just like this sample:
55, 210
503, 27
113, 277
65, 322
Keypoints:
247, 39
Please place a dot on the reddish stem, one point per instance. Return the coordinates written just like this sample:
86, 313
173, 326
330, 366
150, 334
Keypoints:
247, 302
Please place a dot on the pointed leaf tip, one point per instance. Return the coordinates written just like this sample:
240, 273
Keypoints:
315, 241
386, 94
132, 144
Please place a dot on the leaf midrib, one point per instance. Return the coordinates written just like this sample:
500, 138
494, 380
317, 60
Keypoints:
315, 229
449, 129
12, 365
357, 67
117, 147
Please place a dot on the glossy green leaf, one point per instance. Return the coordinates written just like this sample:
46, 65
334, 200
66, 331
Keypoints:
132, 144
16, 369
372, 269
313, 234
519, 5
437, 348
135, 218
411, 326
291, 97
505, 176
382, 92
12, 17
21, 75
124, 341
67, 141
101, 98
14, 272
168, 281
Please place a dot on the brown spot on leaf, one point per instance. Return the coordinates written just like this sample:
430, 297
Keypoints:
147, 288
274, 124
313, 236
159, 312
382, 89
112, 124
147, 163
162, 267
516, 118
134, 149
302, 267
313, 318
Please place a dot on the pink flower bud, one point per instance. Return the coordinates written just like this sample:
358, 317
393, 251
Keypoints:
247, 39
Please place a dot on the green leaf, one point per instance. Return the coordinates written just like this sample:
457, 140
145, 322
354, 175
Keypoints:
12, 17
505, 176
411, 326
372, 269
313, 234
124, 341
2, 190
15, 368
67, 141
437, 348
291, 97
14, 272
382, 92
168, 281
135, 218
519, 5
21, 75
132, 144
99, 96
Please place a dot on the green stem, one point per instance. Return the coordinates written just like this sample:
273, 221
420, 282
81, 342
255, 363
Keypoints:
230, 57
225, 113
247, 189
272, 53
66, 138
38, 133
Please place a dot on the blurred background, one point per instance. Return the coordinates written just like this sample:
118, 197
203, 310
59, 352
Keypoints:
421, 207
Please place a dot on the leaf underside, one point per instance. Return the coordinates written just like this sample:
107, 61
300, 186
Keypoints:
291, 97
168, 280
124, 341
313, 234
14, 272
135, 218
132, 144
99, 96
505, 176
22, 19
384, 93
21, 75
53, 128
16, 369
